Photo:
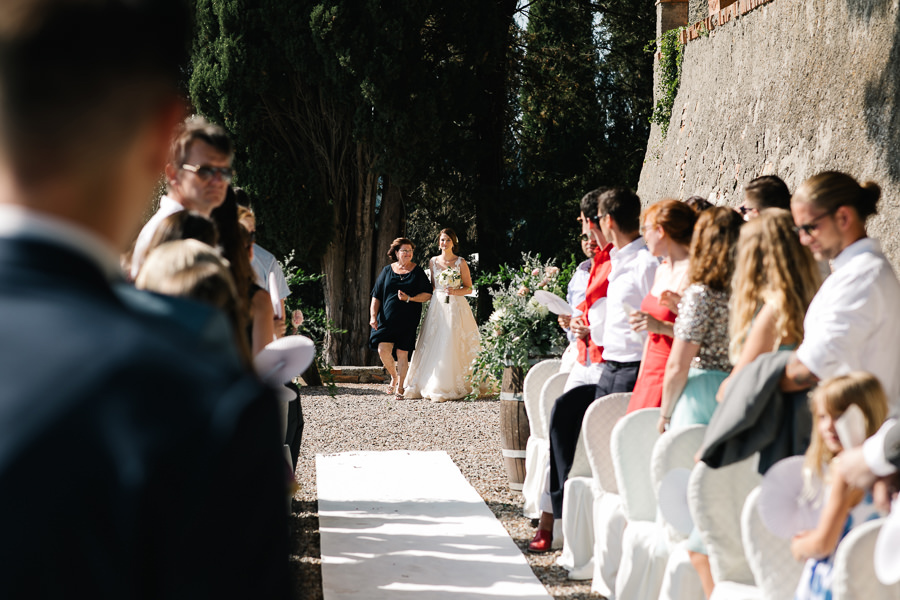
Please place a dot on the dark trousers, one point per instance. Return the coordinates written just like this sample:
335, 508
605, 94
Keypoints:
294, 426
567, 415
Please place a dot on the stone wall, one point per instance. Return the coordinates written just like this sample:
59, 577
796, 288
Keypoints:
790, 88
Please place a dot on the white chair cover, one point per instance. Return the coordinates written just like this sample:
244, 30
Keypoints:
537, 457
643, 542
581, 489
609, 520
853, 575
537, 453
675, 450
716, 498
537, 448
631, 446
732, 590
531, 394
680, 581
578, 528
774, 569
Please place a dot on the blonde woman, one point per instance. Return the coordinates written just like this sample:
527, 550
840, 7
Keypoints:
775, 279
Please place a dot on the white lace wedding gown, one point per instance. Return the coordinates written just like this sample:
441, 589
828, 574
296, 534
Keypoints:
447, 344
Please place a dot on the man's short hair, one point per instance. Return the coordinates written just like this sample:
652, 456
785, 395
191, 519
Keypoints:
590, 200
198, 128
78, 77
624, 206
768, 191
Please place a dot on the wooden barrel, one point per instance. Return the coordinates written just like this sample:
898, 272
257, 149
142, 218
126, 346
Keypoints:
514, 430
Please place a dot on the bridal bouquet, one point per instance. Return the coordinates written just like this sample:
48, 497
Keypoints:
520, 327
450, 279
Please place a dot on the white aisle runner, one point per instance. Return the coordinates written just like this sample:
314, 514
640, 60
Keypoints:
407, 525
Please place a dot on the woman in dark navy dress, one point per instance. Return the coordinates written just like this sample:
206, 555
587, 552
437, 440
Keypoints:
397, 298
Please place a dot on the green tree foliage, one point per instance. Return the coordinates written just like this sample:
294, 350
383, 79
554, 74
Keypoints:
350, 117
584, 99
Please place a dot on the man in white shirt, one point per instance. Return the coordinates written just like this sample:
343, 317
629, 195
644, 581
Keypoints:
630, 279
852, 323
197, 178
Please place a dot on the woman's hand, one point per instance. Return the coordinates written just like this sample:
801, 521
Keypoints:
564, 321
373, 323
641, 321
670, 300
402, 296
662, 424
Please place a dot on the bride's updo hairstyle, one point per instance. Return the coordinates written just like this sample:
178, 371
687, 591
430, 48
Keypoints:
395, 245
452, 235
830, 190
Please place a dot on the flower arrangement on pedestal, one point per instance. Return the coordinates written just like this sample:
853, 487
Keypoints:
520, 327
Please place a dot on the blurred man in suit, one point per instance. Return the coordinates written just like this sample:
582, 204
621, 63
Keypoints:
137, 458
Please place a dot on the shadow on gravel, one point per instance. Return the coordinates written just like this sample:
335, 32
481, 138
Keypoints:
306, 554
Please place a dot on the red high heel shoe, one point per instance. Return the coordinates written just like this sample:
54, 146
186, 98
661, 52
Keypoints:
541, 542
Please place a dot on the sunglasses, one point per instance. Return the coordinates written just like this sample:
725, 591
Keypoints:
808, 228
206, 173
744, 209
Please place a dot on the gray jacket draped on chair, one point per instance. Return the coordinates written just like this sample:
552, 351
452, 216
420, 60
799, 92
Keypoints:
756, 416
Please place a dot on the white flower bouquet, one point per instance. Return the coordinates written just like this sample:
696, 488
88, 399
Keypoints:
450, 279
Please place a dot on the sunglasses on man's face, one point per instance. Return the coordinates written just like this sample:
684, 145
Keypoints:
206, 173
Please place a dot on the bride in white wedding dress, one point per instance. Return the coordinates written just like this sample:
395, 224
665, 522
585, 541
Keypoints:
449, 339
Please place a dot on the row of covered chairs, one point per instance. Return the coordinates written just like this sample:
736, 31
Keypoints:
617, 533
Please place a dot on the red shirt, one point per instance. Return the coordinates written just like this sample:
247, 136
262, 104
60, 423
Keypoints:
598, 282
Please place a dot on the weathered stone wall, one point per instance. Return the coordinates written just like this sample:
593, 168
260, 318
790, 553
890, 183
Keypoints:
791, 88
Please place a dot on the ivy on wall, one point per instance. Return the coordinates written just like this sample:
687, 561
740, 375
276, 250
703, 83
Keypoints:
671, 55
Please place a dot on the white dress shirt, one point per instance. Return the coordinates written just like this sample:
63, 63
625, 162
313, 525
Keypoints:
22, 223
853, 323
167, 206
576, 290
631, 277
264, 262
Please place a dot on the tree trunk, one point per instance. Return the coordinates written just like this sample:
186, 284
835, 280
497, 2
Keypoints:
490, 123
347, 263
391, 222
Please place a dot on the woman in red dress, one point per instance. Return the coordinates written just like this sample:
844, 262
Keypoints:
667, 229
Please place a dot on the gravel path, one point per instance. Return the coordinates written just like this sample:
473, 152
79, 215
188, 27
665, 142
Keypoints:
362, 417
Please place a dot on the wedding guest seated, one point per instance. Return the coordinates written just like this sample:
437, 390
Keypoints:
768, 191
587, 323
698, 361
775, 279
192, 269
698, 203
852, 323
197, 175
263, 262
844, 506
632, 270
667, 230
575, 293
185, 225
237, 245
